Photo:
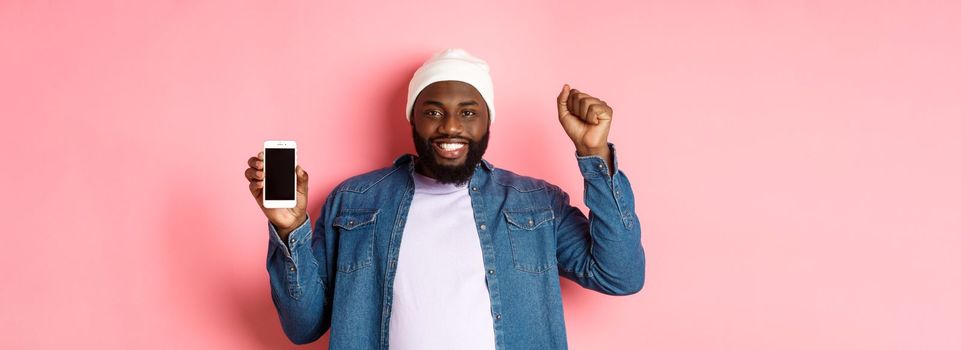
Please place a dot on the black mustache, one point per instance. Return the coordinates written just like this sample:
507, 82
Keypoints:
451, 139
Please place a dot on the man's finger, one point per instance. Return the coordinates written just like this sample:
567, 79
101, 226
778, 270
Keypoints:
302, 179
605, 113
585, 107
255, 188
562, 100
255, 163
254, 174
572, 102
598, 113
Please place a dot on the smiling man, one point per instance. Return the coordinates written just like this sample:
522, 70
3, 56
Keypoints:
449, 148
442, 250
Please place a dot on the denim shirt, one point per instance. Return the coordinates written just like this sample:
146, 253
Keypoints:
339, 275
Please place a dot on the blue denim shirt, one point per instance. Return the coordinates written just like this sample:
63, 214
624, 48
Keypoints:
339, 275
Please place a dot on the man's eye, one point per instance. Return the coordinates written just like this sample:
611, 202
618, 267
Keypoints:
469, 113
432, 113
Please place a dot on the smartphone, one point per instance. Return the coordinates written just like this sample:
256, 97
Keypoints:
280, 178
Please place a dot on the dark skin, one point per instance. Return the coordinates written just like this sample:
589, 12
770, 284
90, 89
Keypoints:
449, 111
455, 111
587, 121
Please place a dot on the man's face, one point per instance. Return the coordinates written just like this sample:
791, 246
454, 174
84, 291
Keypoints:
451, 128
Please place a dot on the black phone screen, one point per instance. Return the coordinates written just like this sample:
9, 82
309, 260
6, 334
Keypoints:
279, 174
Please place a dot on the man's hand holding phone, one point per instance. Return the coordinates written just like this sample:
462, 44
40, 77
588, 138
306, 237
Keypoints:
284, 219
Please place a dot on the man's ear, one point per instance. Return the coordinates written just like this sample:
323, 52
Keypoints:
488, 114
411, 116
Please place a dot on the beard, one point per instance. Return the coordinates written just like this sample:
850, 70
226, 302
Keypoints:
457, 175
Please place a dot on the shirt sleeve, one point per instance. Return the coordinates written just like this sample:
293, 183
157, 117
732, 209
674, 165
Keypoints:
299, 283
601, 251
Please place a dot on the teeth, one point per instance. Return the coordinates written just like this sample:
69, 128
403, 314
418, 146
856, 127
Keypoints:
451, 146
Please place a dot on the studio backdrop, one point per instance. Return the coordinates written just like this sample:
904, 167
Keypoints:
794, 163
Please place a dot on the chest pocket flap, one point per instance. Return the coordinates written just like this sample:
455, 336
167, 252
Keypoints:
350, 219
529, 219
355, 245
531, 232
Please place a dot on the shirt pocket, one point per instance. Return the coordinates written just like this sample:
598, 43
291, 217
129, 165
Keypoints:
355, 231
531, 232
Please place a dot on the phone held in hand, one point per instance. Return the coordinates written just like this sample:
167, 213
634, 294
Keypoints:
280, 178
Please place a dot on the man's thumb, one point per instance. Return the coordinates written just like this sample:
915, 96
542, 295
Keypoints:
302, 178
562, 100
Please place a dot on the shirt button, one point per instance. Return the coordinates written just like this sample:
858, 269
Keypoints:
293, 240
351, 222
530, 222
474, 188
490, 271
497, 316
483, 227
600, 165
291, 268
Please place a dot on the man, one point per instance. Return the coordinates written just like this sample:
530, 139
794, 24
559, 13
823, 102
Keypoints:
444, 251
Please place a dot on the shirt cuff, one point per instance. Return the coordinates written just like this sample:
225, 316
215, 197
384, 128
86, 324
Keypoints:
594, 165
296, 237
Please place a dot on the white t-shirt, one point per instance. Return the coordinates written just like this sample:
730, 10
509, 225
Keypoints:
440, 298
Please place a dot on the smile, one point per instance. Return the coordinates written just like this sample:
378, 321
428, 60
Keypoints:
450, 149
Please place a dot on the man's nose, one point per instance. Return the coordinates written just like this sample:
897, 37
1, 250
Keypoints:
452, 126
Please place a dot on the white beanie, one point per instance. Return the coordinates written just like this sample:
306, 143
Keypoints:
453, 64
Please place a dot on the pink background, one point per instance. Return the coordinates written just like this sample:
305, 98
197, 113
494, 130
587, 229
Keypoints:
795, 164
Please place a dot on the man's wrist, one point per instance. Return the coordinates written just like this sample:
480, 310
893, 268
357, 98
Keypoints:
596, 151
285, 231
604, 153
